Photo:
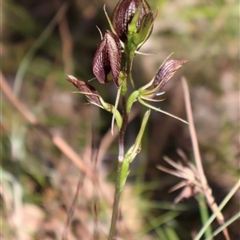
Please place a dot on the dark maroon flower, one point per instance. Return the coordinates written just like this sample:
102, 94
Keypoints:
107, 59
124, 13
89, 91
166, 72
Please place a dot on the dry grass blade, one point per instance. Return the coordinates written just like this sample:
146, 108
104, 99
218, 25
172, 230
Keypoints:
190, 184
59, 142
71, 210
15, 102
195, 180
67, 43
206, 189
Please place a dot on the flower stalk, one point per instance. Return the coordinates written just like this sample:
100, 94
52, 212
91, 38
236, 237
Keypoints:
131, 25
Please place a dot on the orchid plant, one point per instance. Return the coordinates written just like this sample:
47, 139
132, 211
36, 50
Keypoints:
131, 25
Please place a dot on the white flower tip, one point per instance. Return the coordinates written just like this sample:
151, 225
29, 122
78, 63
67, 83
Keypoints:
71, 77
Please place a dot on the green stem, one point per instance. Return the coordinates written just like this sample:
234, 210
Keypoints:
204, 213
119, 185
116, 203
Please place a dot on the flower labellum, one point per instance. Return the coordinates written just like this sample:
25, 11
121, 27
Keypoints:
107, 59
124, 15
166, 72
89, 91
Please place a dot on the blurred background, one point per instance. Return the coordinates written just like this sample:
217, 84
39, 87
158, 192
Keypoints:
52, 140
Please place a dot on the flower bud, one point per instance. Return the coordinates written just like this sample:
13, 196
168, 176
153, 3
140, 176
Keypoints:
124, 21
89, 91
166, 72
107, 59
